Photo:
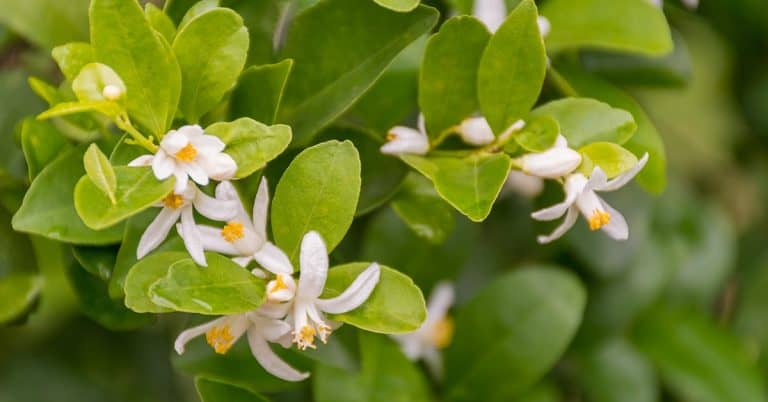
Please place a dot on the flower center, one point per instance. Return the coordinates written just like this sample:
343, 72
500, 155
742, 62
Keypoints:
599, 219
220, 339
187, 154
174, 201
391, 136
306, 337
279, 284
232, 232
442, 333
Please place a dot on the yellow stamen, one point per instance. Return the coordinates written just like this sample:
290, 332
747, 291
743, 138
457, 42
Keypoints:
187, 154
306, 337
279, 284
220, 339
599, 219
391, 136
232, 231
173, 200
442, 334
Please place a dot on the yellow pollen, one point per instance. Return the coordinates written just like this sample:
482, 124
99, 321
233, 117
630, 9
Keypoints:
279, 284
442, 334
220, 339
307, 337
599, 219
391, 136
187, 154
232, 231
173, 200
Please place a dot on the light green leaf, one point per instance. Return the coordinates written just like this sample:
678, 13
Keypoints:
160, 22
623, 25
402, 6
421, 208
448, 77
524, 320
197, 8
584, 120
318, 191
137, 189
259, 91
107, 108
250, 143
48, 208
512, 69
355, 40
221, 288
143, 275
72, 57
123, 39
100, 172
214, 391
539, 134
611, 158
46, 23
17, 293
211, 49
41, 143
90, 82
395, 306
614, 370
44, 90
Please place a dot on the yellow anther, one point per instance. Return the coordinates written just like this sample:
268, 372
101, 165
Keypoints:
391, 136
173, 200
442, 333
220, 339
599, 219
306, 337
187, 154
279, 284
232, 231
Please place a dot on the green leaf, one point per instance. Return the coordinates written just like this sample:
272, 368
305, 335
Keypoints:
250, 143
17, 293
448, 77
265, 20
41, 143
395, 306
318, 191
611, 158
386, 375
615, 371
46, 23
402, 6
44, 90
48, 208
340, 47
137, 190
584, 120
421, 208
214, 391
98, 261
100, 172
90, 82
72, 57
221, 288
197, 8
211, 49
259, 91
107, 108
143, 275
123, 39
524, 320
622, 25
512, 69
160, 22
470, 184
539, 134
697, 358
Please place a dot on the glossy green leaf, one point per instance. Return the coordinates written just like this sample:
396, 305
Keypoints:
160, 22
250, 143
137, 190
259, 91
41, 143
211, 49
72, 57
98, 261
623, 25
448, 77
144, 274
615, 371
195, 9
539, 134
100, 172
583, 121
319, 191
611, 158
123, 39
44, 90
512, 332
17, 292
214, 391
89, 83
512, 69
48, 208
46, 23
395, 306
107, 108
421, 208
340, 47
402, 6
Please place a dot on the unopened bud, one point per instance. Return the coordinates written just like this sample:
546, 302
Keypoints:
544, 26
405, 140
476, 131
552, 163
112, 92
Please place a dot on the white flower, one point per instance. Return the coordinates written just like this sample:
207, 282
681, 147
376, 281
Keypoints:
434, 334
307, 313
181, 206
580, 196
491, 12
189, 153
405, 140
112, 92
476, 131
524, 184
555, 162
544, 26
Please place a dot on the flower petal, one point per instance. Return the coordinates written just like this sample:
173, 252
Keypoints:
598, 179
226, 191
143, 160
196, 173
192, 241
213, 208
163, 166
270, 329
194, 332
174, 141
270, 361
209, 144
182, 181
557, 210
491, 12
406, 141
313, 263
260, 209
440, 301
476, 131
624, 178
220, 166
617, 228
243, 261
273, 259
213, 241
355, 295
157, 231
570, 219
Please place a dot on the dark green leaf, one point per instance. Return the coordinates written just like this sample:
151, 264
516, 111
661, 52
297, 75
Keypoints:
17, 292
259, 92
421, 208
214, 391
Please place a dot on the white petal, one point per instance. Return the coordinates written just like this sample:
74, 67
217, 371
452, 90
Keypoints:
216, 209
208, 144
220, 166
573, 187
270, 361
260, 208
268, 328
355, 295
157, 231
476, 131
570, 219
421, 124
143, 160
174, 141
544, 26
226, 191
561, 142
440, 301
411, 345
182, 181
274, 310
192, 241
196, 173
617, 228
213, 241
624, 178
243, 261
162, 165
273, 259
194, 332
598, 179
434, 361
283, 294
491, 12
523, 184
313, 263
406, 140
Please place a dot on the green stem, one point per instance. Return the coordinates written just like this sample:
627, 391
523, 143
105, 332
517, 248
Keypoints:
124, 123
561, 83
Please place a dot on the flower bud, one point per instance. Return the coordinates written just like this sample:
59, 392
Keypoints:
112, 92
544, 26
476, 131
405, 140
552, 163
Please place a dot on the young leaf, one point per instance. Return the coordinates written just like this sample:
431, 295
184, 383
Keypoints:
214, 391
143, 275
250, 143
194, 8
584, 120
72, 57
402, 6
160, 22
107, 108
41, 143
123, 39
211, 49
421, 208
539, 134
17, 293
97, 261
355, 40
100, 172
268, 81
221, 288
318, 191
512, 69
395, 306
448, 76
93, 78
611, 158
